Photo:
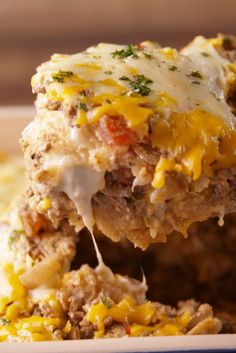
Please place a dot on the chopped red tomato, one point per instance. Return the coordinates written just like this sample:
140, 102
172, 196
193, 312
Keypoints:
113, 130
127, 328
139, 46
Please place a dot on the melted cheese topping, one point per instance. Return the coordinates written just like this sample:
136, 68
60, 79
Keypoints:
191, 121
197, 132
80, 184
137, 318
170, 71
16, 320
34, 328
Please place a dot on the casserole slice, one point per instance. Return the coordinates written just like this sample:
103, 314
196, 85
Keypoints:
139, 140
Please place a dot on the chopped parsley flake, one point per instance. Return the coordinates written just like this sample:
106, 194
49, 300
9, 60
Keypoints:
173, 68
196, 74
109, 72
107, 302
4, 322
18, 231
124, 78
205, 54
130, 50
11, 240
83, 106
61, 75
140, 85
148, 56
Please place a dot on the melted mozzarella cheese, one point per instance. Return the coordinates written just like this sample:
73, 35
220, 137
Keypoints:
193, 126
169, 70
80, 184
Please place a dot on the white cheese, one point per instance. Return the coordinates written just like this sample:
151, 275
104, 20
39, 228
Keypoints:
170, 74
44, 272
80, 184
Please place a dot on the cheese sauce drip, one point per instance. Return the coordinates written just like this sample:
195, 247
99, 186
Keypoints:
80, 184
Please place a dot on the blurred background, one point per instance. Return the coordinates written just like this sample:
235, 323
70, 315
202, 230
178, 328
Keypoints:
31, 30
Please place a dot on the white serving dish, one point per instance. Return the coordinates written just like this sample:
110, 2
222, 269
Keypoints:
12, 122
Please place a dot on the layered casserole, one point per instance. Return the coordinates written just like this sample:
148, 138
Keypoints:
138, 134
41, 299
131, 143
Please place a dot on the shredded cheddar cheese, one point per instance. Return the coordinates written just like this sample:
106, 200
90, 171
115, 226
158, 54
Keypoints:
164, 100
169, 53
134, 114
16, 320
195, 141
47, 203
176, 98
34, 328
92, 66
139, 318
127, 309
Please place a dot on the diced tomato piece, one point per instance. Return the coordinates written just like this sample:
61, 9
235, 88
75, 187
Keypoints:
113, 130
127, 328
139, 46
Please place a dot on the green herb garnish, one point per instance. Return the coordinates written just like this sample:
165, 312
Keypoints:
196, 74
61, 75
130, 50
148, 56
140, 85
107, 302
173, 68
4, 322
83, 106
124, 78
18, 231
205, 54
11, 240
109, 72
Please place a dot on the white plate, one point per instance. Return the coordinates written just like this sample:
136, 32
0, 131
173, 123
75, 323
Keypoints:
12, 121
187, 344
